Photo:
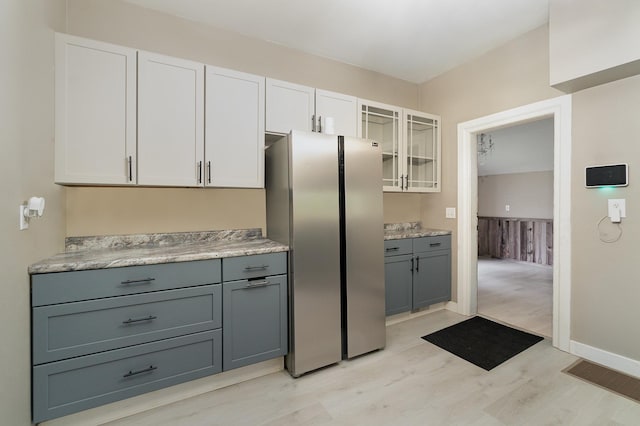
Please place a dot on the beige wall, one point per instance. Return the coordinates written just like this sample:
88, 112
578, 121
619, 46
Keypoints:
593, 42
124, 210
512, 75
529, 195
26, 169
605, 288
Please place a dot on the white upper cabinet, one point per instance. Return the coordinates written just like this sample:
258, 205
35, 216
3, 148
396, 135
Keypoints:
289, 107
382, 123
295, 107
421, 151
234, 129
95, 120
170, 121
341, 109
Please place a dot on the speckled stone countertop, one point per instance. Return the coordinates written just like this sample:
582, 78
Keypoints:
115, 251
397, 231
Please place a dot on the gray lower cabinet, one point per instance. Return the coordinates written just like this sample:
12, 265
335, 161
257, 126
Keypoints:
99, 336
255, 320
431, 278
417, 272
398, 278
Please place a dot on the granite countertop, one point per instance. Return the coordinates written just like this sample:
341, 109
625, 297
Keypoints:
397, 231
82, 253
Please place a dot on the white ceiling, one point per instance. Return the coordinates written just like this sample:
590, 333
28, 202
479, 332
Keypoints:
520, 149
414, 40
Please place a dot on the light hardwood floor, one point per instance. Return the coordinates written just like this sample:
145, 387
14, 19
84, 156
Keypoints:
411, 382
516, 293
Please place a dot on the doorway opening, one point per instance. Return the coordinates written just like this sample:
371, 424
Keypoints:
559, 109
515, 225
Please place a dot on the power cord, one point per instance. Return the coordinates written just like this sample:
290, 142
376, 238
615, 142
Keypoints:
603, 234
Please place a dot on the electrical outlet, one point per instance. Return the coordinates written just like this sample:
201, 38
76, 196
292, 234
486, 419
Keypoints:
507, 207
450, 213
617, 209
24, 222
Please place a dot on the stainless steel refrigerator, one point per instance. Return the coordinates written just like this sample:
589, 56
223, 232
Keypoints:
324, 199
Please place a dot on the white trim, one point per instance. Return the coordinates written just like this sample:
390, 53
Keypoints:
608, 359
560, 109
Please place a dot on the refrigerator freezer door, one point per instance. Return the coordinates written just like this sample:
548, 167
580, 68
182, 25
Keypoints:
315, 252
364, 244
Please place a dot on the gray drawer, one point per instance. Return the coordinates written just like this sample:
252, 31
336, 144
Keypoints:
397, 247
84, 285
440, 242
260, 265
65, 387
80, 328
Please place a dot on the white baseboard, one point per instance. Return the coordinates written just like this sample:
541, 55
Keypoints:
452, 306
608, 359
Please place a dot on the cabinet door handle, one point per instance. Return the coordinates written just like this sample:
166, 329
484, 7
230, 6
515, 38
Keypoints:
434, 244
319, 124
142, 281
138, 320
417, 263
199, 171
392, 249
144, 370
402, 182
255, 284
256, 268
406, 182
313, 123
412, 264
208, 171
130, 169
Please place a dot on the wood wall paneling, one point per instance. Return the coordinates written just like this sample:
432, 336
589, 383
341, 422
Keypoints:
527, 240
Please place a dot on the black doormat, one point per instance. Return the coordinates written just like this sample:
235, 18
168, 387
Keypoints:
484, 343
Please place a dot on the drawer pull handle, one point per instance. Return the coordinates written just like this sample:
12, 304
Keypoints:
145, 370
392, 249
255, 284
142, 281
136, 320
256, 268
434, 244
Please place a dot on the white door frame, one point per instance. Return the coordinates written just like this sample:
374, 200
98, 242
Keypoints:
560, 109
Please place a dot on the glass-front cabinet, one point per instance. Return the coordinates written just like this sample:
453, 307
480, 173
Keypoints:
422, 151
410, 142
381, 123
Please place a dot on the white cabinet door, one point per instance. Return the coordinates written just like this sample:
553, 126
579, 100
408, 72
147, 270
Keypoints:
382, 123
95, 121
421, 151
170, 121
341, 109
234, 129
289, 107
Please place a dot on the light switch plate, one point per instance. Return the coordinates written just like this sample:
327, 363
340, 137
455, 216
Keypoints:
450, 213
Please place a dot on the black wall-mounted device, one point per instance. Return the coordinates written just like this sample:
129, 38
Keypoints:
608, 175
